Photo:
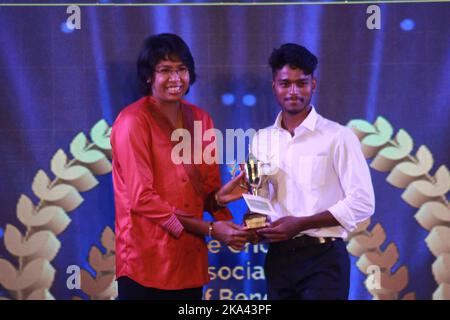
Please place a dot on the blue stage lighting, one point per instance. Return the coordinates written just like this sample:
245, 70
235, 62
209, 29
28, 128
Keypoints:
249, 100
64, 28
407, 24
228, 99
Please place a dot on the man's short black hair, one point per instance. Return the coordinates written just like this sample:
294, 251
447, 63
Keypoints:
293, 55
162, 47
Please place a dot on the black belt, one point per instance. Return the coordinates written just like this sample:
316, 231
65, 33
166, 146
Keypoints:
297, 243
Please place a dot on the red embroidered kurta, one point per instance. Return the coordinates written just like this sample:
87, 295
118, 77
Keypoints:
152, 248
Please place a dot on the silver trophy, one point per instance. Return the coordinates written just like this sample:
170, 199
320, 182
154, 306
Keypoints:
254, 177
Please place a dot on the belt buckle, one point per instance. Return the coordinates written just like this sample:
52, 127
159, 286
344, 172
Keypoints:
324, 240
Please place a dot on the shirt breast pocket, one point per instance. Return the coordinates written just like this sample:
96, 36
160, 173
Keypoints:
311, 171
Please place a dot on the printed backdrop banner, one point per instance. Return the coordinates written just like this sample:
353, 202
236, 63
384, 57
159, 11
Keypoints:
61, 90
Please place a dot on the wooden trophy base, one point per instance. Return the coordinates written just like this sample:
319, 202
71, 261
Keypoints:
255, 220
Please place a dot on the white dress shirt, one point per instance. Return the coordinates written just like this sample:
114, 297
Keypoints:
320, 168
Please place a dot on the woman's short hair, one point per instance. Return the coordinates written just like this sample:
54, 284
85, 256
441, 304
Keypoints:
164, 46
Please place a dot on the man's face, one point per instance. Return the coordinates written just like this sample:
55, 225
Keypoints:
293, 89
170, 81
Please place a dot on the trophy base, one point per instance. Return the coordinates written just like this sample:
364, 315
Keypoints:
255, 220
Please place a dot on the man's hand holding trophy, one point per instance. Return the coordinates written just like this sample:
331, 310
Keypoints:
260, 208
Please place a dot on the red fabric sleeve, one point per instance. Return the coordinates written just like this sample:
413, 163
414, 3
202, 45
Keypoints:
131, 143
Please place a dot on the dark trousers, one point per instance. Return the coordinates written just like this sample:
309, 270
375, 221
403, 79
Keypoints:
315, 272
131, 290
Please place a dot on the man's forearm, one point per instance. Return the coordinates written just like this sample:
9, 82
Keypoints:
321, 220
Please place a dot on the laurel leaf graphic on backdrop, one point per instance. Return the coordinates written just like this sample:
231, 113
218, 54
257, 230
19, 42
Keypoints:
361, 227
392, 283
441, 268
50, 218
100, 134
40, 294
62, 195
442, 292
438, 240
361, 128
103, 286
95, 160
421, 191
100, 262
361, 243
33, 278
366, 245
406, 172
409, 296
388, 157
37, 274
42, 244
372, 143
99, 286
432, 214
385, 260
78, 176
108, 240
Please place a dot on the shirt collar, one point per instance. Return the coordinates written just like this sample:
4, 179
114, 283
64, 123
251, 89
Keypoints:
309, 122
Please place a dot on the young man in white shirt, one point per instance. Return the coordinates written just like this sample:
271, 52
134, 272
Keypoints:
318, 183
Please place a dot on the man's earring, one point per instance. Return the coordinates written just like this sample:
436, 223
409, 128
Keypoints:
148, 81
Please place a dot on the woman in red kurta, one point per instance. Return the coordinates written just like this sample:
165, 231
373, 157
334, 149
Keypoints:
160, 247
